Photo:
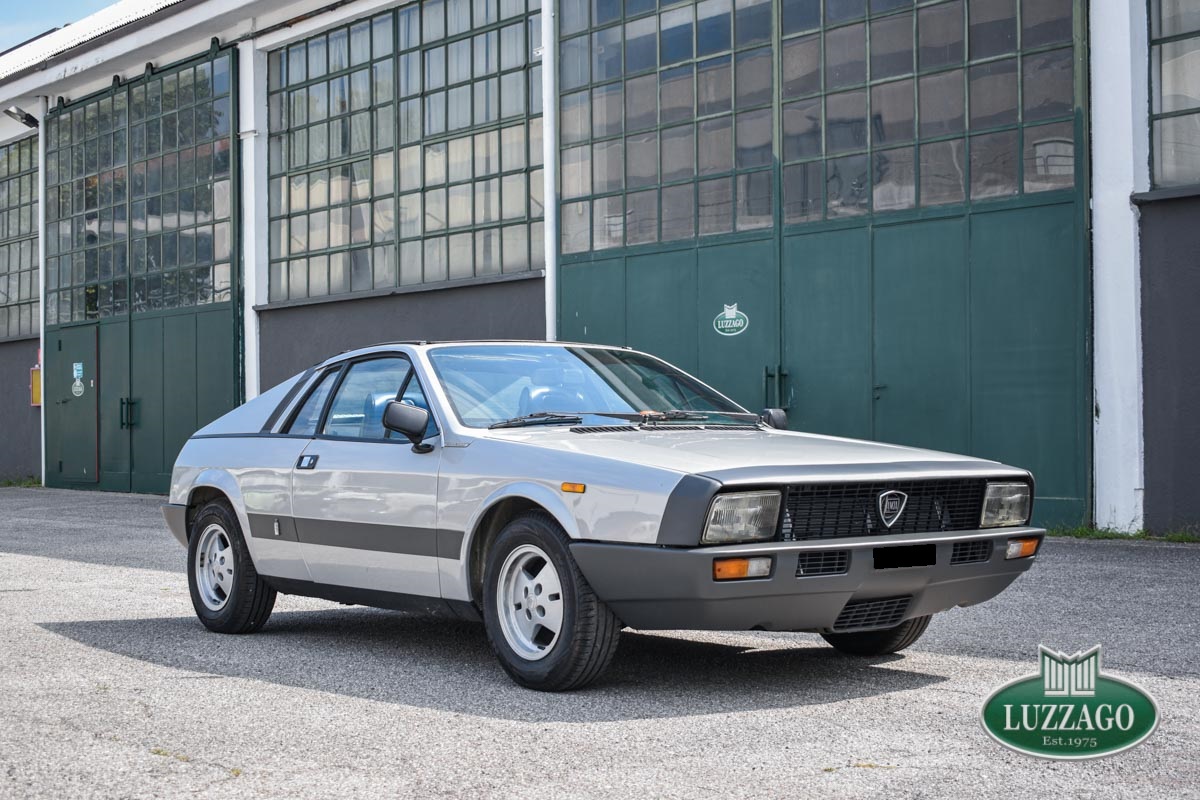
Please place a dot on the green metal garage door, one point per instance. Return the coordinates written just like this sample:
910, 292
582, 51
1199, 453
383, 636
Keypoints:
871, 213
142, 342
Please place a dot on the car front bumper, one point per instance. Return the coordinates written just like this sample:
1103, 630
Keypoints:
176, 517
669, 588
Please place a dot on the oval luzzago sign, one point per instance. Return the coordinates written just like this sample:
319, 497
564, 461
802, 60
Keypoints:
731, 322
1070, 710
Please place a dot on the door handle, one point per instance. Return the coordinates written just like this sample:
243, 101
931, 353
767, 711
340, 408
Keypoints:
768, 376
131, 419
307, 462
879, 387
781, 389
124, 413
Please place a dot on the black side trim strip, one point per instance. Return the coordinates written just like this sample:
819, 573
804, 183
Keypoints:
287, 400
396, 539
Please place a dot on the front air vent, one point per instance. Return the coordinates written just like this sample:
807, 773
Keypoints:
822, 562
603, 428
971, 552
863, 614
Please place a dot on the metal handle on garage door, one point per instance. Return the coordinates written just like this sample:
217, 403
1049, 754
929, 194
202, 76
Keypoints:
128, 412
781, 389
768, 377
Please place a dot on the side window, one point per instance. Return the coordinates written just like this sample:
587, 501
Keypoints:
308, 417
415, 396
368, 387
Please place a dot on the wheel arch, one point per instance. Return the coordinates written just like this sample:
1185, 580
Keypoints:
215, 484
499, 509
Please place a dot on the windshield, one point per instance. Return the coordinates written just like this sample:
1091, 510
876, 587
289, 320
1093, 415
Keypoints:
488, 384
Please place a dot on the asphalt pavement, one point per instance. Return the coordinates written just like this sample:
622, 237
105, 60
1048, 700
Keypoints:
109, 687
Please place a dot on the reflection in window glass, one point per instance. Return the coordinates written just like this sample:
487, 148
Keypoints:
993, 28
994, 165
894, 179
940, 33
847, 185
678, 212
892, 112
993, 93
802, 129
716, 205
891, 46
940, 99
845, 56
802, 187
1049, 158
801, 66
1176, 77
1049, 85
942, 170
1045, 22
754, 201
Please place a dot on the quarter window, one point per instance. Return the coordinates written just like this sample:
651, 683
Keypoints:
308, 417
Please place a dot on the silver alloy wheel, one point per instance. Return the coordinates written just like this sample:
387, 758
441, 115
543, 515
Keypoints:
214, 567
529, 602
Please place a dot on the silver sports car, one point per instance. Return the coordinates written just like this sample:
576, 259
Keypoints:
561, 492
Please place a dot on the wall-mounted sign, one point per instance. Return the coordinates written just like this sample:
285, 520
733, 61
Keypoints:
731, 322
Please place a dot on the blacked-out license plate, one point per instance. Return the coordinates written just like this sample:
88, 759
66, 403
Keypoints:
913, 555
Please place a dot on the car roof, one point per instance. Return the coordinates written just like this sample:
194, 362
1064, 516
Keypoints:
428, 343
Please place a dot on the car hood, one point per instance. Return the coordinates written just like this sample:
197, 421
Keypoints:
724, 453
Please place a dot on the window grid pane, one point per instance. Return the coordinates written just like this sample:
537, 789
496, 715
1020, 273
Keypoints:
427, 167
880, 107
20, 310
1175, 94
140, 194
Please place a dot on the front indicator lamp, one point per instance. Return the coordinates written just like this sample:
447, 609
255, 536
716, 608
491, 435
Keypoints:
1022, 548
1005, 504
742, 517
736, 569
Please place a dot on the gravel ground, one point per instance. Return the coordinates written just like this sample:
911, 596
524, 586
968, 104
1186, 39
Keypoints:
109, 687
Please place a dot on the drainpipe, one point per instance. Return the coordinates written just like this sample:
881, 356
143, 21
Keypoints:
43, 108
550, 162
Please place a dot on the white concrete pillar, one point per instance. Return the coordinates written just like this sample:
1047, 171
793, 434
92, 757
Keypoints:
252, 130
1120, 135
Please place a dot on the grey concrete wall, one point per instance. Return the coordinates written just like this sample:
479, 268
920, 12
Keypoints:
1170, 244
20, 423
294, 338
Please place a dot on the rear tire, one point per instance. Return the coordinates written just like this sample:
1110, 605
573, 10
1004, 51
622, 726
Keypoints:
543, 621
879, 643
227, 592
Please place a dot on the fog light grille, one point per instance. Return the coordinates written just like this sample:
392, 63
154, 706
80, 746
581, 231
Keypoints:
822, 562
971, 552
861, 614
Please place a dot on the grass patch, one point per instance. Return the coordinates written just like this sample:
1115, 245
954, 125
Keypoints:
28, 482
1085, 532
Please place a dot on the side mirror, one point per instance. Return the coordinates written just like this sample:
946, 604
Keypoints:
774, 418
408, 421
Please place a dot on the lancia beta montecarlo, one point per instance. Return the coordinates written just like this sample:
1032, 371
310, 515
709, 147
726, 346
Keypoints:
561, 492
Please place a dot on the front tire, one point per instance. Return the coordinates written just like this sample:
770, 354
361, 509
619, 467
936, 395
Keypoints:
879, 643
227, 592
545, 624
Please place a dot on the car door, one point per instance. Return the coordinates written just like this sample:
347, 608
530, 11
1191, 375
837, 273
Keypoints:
365, 503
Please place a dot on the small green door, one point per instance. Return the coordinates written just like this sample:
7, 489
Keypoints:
114, 405
71, 394
921, 389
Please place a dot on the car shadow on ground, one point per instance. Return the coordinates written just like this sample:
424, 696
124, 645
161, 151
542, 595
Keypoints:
447, 665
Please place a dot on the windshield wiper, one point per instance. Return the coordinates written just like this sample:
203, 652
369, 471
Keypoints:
540, 418
673, 415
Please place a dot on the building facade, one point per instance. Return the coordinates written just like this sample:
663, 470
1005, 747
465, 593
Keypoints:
958, 224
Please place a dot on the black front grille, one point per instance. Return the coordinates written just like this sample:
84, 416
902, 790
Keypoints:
861, 614
971, 552
834, 510
822, 562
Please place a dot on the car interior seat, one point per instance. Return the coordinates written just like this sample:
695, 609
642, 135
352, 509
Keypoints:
553, 389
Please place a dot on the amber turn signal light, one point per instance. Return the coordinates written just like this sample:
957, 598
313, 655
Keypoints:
1022, 548
734, 569
574, 488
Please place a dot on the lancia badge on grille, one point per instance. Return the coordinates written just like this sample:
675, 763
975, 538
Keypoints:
891, 506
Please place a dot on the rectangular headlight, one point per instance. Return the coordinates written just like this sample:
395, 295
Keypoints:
742, 517
1005, 504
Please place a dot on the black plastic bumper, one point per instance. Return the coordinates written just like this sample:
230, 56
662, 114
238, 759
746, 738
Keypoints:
666, 588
